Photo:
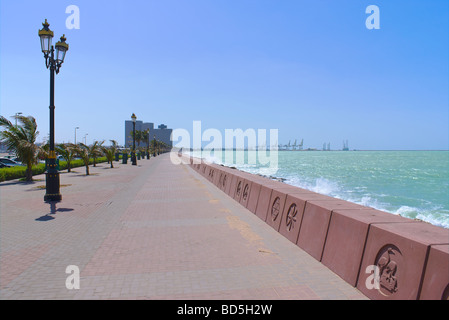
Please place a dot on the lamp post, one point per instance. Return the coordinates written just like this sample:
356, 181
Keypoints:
75, 133
16, 115
154, 145
54, 64
147, 134
133, 153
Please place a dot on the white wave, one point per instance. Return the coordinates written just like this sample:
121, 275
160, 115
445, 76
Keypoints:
213, 159
330, 188
320, 185
432, 215
435, 220
359, 195
374, 203
406, 211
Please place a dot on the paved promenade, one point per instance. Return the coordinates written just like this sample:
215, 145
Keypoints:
152, 231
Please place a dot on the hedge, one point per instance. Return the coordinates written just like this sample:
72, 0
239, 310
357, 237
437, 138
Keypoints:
19, 172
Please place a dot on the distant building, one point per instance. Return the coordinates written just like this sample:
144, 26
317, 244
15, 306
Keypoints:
161, 133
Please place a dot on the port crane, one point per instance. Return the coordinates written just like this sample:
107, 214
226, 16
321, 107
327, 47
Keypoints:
345, 145
292, 147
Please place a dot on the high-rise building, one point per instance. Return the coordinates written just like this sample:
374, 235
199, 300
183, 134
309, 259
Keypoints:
162, 133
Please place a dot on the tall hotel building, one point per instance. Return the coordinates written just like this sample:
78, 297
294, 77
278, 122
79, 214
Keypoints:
161, 133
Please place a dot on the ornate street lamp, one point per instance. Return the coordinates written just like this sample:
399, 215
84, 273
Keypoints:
54, 64
133, 153
75, 133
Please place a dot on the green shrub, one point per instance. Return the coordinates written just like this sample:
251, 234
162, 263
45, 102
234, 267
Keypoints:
79, 163
12, 173
19, 172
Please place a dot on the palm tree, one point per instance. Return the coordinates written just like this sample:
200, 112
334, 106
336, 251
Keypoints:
21, 140
146, 138
154, 145
140, 136
82, 151
110, 151
67, 151
163, 147
95, 151
43, 152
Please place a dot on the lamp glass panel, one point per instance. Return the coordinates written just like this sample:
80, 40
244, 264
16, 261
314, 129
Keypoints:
45, 43
60, 54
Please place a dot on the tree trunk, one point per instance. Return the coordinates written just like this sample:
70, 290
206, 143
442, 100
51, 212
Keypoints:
29, 173
87, 170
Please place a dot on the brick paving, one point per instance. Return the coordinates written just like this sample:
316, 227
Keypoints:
153, 231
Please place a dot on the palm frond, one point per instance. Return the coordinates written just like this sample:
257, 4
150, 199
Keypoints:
21, 139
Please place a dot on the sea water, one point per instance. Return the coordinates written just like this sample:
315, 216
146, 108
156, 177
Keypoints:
413, 184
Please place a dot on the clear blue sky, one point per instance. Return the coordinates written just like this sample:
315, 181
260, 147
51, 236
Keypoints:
309, 68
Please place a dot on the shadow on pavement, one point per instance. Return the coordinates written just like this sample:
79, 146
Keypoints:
53, 210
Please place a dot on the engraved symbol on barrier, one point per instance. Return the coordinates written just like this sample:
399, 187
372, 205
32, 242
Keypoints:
224, 181
239, 188
388, 268
275, 208
220, 180
245, 192
291, 217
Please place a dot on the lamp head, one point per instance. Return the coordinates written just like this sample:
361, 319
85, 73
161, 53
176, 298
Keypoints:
61, 49
46, 35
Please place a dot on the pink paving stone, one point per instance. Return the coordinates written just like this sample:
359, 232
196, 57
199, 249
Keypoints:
13, 263
164, 210
300, 292
81, 204
140, 250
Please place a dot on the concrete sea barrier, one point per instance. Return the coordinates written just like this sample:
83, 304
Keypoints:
385, 256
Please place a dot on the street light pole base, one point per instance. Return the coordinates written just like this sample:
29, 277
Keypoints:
133, 159
52, 193
53, 197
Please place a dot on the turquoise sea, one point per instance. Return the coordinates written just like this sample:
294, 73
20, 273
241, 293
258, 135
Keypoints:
413, 184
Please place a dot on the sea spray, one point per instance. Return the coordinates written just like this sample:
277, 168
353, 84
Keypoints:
413, 184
